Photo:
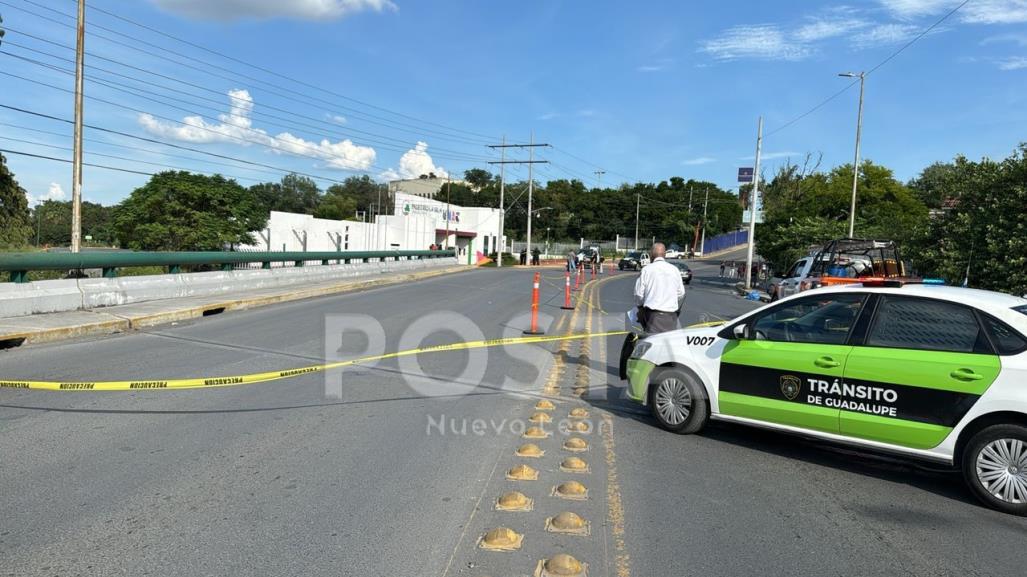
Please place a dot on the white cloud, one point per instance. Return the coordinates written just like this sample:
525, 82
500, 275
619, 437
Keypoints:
651, 68
226, 10
54, 192
760, 41
975, 12
548, 116
833, 25
337, 119
699, 161
236, 127
886, 34
1013, 63
414, 163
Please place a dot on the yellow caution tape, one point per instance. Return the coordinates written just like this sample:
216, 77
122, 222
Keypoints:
230, 381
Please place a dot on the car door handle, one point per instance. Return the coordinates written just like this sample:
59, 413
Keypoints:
965, 375
826, 362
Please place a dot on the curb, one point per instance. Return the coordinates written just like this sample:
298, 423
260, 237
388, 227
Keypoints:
108, 323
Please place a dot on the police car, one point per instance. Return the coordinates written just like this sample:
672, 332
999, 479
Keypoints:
929, 372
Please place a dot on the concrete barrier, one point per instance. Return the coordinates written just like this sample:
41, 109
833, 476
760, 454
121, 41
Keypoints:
50, 296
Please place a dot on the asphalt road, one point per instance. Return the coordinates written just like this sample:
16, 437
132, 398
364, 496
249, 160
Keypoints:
373, 471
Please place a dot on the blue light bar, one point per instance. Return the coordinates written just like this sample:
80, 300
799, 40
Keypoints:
938, 281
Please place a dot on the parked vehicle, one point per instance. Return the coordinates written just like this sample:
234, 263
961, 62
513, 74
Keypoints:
634, 260
926, 372
841, 261
686, 273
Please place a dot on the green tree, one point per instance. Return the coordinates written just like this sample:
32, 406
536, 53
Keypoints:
336, 206
295, 193
478, 178
985, 229
14, 210
184, 211
51, 222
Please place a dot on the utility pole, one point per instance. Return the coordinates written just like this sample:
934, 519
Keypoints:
855, 163
599, 178
502, 206
449, 188
76, 157
638, 200
752, 207
531, 146
531, 188
705, 205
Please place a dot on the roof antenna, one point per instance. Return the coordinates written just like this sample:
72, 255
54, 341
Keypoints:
966, 277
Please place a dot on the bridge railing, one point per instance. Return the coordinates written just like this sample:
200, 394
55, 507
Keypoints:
18, 264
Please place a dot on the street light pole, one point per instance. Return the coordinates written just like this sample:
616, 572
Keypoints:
752, 208
531, 187
76, 157
502, 207
855, 164
638, 199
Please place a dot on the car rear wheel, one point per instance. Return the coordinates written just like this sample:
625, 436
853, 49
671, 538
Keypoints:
995, 467
678, 401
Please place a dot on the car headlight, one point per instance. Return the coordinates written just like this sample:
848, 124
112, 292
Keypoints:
640, 349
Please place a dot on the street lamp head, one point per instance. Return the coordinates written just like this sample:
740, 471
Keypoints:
850, 74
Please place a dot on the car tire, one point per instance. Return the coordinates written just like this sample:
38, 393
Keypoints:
620, 267
678, 401
995, 467
689, 281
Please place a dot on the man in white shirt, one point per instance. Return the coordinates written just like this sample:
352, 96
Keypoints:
658, 292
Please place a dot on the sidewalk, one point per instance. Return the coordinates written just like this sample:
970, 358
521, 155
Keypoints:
15, 331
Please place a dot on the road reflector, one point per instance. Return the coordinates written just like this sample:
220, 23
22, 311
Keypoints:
574, 465
569, 523
529, 450
501, 539
579, 413
540, 417
544, 405
572, 490
578, 427
514, 501
561, 565
535, 433
522, 473
575, 445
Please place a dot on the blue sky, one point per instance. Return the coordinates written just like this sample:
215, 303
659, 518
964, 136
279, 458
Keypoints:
644, 90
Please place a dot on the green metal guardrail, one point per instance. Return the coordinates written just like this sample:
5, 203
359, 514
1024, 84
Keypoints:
20, 263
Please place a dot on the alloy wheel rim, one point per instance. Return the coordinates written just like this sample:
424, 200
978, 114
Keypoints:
1002, 470
673, 401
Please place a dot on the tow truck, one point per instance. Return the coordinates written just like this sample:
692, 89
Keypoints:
842, 261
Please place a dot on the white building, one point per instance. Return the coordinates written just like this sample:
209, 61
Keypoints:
417, 224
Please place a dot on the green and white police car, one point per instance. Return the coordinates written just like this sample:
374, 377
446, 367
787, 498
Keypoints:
929, 372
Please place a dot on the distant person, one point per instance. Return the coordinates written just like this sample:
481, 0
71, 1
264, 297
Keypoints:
722, 266
658, 292
572, 261
524, 256
535, 256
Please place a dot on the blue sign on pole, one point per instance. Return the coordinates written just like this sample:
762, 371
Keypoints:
745, 174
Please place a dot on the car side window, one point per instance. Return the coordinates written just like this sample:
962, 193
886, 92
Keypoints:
826, 319
925, 324
1006, 340
794, 271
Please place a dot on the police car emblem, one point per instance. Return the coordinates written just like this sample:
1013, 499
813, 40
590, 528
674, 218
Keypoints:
790, 386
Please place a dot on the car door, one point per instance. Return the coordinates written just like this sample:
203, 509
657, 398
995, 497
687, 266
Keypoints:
790, 283
789, 349
920, 368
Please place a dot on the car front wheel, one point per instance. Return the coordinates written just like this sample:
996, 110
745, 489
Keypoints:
995, 467
678, 401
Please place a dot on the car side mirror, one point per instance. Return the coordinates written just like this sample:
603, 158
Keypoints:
741, 332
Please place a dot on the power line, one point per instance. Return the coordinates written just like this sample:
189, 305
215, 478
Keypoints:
44, 157
116, 157
436, 151
169, 144
923, 33
284, 77
216, 67
138, 149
